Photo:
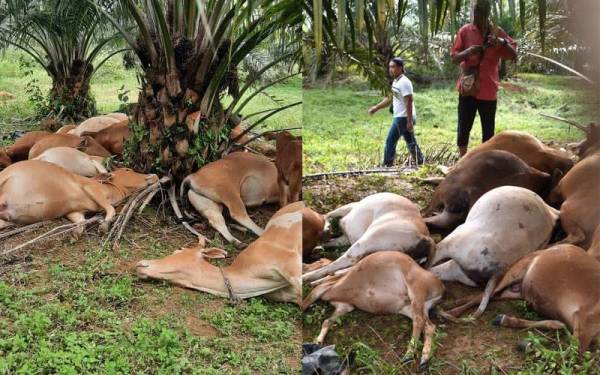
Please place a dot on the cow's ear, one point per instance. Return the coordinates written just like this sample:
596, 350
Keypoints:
213, 253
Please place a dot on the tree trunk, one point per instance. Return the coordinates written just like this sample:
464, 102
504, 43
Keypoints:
170, 136
70, 95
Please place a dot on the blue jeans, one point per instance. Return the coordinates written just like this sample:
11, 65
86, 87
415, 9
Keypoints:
399, 129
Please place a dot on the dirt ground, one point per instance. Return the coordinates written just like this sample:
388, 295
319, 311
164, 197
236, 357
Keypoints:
478, 348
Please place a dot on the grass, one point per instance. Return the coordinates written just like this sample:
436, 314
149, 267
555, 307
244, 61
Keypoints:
340, 135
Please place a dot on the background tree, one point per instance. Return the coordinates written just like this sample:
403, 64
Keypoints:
189, 52
68, 39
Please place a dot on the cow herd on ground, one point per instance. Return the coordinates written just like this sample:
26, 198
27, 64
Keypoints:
520, 219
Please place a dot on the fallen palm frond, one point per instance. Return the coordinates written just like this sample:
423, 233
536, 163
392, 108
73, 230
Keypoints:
54, 232
136, 201
25, 229
173, 200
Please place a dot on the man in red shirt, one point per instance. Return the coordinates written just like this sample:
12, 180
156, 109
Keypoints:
480, 43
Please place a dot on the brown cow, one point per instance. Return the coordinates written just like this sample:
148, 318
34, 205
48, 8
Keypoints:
237, 181
579, 192
562, 283
313, 225
387, 282
85, 144
112, 138
98, 123
66, 129
33, 191
288, 161
528, 148
20, 149
269, 266
476, 175
5, 160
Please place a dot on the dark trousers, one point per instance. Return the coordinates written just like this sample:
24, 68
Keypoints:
397, 130
467, 107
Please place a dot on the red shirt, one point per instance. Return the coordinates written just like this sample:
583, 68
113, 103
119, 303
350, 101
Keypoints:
469, 35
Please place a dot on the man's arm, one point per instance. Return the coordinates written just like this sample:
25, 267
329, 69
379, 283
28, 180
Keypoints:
408, 99
509, 48
384, 103
460, 56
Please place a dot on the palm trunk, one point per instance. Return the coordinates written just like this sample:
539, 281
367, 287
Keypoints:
70, 95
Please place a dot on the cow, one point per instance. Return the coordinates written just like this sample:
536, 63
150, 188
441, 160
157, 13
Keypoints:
96, 124
504, 225
313, 230
379, 222
5, 160
33, 190
237, 181
66, 129
528, 148
112, 138
20, 149
85, 144
561, 283
578, 193
386, 282
269, 266
74, 161
476, 175
288, 161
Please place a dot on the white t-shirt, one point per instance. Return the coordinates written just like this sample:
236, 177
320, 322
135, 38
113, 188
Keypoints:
400, 88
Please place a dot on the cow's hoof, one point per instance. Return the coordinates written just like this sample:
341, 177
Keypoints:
409, 358
424, 366
525, 346
239, 245
498, 320
104, 227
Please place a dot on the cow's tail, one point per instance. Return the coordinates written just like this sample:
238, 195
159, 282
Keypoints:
184, 187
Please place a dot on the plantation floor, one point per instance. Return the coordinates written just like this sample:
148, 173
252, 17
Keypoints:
72, 307
381, 341
339, 135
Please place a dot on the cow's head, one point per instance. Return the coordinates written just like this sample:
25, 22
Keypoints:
90, 146
5, 160
182, 267
128, 180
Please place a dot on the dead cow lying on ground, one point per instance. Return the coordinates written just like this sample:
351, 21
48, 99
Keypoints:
475, 176
269, 266
527, 148
32, 191
85, 144
112, 138
383, 283
74, 161
379, 222
288, 160
20, 149
237, 181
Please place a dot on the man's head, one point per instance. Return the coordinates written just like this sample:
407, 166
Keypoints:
396, 67
481, 13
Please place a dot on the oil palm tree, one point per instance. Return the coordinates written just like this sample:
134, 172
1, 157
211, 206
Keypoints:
189, 52
68, 39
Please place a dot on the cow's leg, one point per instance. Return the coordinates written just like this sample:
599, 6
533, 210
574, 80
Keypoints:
97, 195
428, 343
341, 308
512, 322
99, 167
293, 277
5, 224
75, 218
575, 235
307, 267
444, 220
340, 211
238, 212
295, 186
214, 213
582, 331
358, 250
451, 271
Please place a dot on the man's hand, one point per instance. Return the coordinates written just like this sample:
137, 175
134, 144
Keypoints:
495, 41
373, 109
474, 49
409, 125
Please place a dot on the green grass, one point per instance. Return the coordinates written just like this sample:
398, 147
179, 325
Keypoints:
340, 135
107, 82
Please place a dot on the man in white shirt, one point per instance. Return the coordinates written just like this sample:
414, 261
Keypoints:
404, 114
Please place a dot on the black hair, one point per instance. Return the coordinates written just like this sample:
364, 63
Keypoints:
398, 61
